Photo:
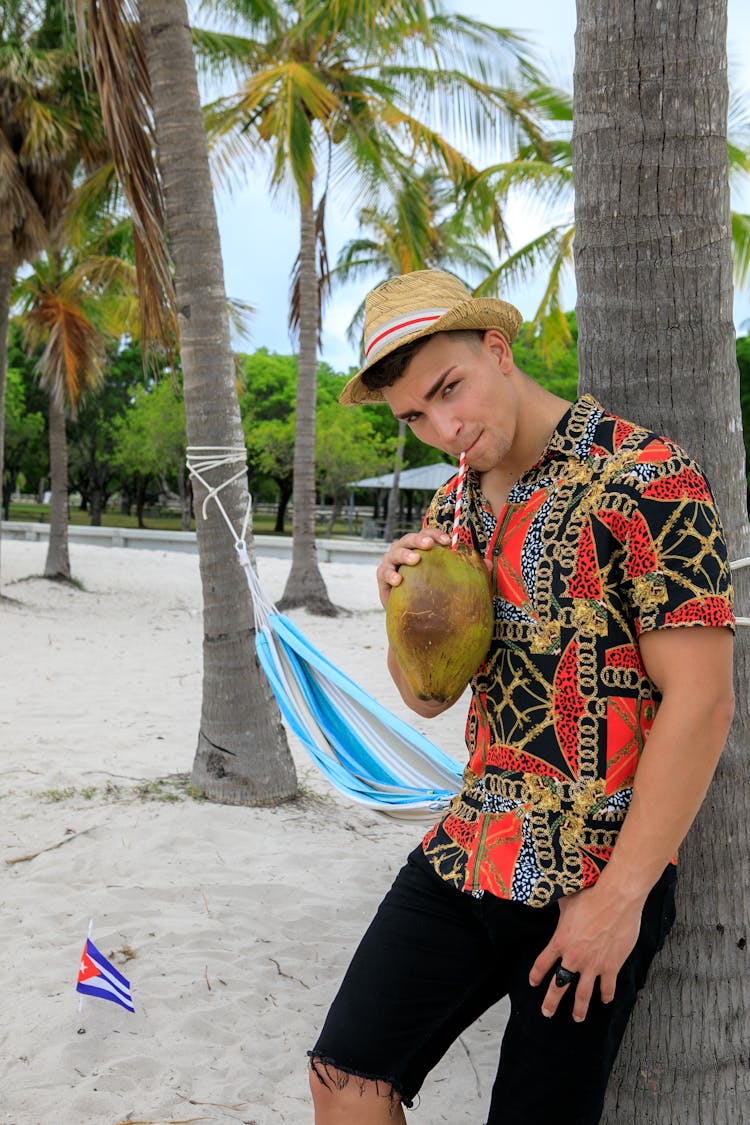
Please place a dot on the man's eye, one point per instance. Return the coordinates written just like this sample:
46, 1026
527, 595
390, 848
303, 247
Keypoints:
449, 387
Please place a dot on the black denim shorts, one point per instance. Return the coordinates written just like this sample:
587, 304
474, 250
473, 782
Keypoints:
435, 958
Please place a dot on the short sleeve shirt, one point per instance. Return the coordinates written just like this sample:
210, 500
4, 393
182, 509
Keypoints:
612, 533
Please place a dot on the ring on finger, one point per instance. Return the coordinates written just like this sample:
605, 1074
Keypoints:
564, 977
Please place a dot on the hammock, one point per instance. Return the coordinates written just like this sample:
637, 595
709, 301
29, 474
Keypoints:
372, 756
369, 754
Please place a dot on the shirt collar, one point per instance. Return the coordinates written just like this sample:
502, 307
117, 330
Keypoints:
573, 435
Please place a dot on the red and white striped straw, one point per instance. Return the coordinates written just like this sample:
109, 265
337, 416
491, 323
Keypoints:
459, 498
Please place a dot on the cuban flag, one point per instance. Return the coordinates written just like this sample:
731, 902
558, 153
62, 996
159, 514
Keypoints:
97, 977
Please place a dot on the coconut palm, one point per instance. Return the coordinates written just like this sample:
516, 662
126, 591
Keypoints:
145, 73
338, 96
429, 225
47, 128
72, 303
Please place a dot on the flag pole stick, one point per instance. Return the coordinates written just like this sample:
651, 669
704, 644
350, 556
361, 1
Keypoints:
80, 994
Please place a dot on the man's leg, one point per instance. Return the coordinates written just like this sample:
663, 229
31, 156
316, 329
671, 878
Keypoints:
422, 973
341, 1099
555, 1071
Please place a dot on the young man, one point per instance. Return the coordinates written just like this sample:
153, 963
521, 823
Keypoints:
594, 726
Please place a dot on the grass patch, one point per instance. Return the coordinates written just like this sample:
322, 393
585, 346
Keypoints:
175, 787
164, 520
53, 796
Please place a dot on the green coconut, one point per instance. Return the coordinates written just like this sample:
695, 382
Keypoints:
440, 620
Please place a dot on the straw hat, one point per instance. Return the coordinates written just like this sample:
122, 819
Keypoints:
421, 304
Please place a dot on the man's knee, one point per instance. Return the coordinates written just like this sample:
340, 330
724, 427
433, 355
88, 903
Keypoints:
339, 1097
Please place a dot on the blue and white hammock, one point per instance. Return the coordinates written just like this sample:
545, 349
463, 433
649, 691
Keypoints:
367, 753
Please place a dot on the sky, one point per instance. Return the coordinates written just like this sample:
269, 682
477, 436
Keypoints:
259, 234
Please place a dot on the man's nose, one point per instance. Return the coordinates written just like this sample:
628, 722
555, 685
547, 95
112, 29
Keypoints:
449, 429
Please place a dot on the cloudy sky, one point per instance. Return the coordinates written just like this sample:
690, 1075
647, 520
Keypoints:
259, 234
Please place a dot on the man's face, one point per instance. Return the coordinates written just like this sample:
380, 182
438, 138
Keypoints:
456, 396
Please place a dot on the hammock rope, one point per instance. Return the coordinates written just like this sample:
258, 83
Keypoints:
739, 564
369, 754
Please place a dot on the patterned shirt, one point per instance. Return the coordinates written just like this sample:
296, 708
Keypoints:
611, 533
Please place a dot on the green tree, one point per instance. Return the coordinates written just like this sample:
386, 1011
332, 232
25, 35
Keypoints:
149, 443
348, 449
339, 95
743, 362
345, 451
430, 223
267, 405
531, 353
270, 451
24, 437
92, 431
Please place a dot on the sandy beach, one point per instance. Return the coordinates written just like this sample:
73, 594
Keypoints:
234, 925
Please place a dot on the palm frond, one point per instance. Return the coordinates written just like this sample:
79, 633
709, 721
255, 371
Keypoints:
240, 316
545, 183
70, 362
124, 91
554, 250
741, 248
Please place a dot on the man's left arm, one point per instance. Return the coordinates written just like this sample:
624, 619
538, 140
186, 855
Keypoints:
599, 926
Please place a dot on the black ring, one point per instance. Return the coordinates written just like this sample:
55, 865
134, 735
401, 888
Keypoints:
564, 977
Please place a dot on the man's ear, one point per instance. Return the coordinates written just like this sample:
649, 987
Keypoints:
500, 348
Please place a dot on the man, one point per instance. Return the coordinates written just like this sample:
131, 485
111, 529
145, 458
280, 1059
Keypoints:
594, 727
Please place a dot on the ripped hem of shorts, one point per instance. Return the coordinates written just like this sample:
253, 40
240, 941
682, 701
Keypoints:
322, 1067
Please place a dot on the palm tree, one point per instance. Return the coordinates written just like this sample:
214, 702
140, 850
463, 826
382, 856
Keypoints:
145, 73
656, 344
429, 225
338, 95
46, 128
72, 304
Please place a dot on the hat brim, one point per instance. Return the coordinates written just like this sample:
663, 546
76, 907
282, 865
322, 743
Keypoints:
480, 313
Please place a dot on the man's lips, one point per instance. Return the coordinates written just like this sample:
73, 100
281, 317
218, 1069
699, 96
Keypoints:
468, 448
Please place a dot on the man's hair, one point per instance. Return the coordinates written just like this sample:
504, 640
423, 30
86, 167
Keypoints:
391, 367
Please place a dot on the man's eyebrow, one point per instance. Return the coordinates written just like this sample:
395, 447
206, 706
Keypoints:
430, 393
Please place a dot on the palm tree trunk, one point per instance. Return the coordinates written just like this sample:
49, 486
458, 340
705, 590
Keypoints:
57, 565
656, 344
242, 755
305, 585
6, 281
285, 495
389, 531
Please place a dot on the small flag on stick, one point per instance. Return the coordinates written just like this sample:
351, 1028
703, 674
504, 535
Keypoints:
97, 977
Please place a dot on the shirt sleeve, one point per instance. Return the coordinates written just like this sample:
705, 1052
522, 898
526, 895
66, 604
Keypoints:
676, 566
439, 514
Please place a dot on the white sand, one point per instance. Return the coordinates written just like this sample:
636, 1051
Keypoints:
234, 925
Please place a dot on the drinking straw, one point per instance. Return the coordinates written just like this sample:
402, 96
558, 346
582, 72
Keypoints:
459, 498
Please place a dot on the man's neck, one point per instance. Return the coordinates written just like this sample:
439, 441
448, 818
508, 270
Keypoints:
539, 415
